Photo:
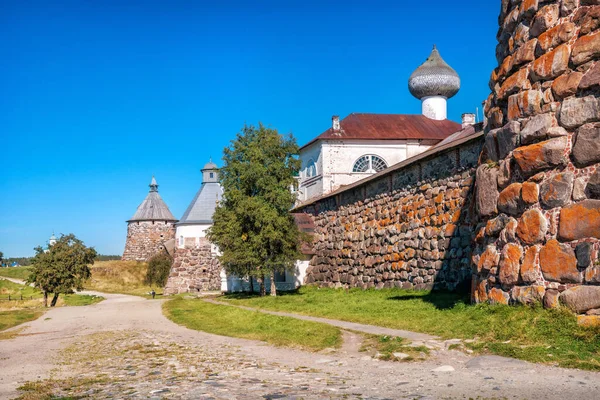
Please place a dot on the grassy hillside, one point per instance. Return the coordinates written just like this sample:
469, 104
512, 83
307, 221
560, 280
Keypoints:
15, 272
120, 277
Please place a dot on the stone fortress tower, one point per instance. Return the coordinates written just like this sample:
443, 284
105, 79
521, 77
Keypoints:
434, 82
538, 185
195, 265
150, 228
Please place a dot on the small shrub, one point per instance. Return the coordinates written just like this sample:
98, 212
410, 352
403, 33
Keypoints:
159, 267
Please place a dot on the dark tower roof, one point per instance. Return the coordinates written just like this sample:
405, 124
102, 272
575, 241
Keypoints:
434, 78
202, 208
153, 208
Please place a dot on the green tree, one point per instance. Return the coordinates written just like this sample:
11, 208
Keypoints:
159, 267
1, 258
61, 268
252, 226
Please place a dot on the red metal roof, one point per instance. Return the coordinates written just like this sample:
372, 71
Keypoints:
389, 127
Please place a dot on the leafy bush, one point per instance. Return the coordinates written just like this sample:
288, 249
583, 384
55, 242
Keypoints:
159, 267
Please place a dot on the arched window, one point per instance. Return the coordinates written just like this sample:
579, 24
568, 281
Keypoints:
311, 169
369, 163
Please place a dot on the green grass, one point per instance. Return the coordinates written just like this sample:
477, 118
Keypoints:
16, 272
15, 290
80, 299
386, 346
8, 319
528, 333
234, 322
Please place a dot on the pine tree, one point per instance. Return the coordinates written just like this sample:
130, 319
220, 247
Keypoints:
252, 226
61, 268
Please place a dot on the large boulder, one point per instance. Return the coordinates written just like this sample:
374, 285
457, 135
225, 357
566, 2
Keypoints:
577, 111
586, 150
542, 155
510, 260
580, 220
532, 227
509, 200
487, 190
581, 298
559, 264
556, 191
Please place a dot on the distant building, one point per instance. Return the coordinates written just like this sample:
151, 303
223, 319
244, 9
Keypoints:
149, 230
363, 144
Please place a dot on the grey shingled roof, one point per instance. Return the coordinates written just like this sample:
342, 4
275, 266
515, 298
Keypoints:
202, 208
153, 208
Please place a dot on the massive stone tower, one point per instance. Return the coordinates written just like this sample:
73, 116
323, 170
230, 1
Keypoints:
149, 229
538, 186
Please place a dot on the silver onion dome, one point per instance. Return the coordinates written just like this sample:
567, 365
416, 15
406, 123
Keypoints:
434, 78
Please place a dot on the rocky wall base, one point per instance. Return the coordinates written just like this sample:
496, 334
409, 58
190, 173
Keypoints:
195, 269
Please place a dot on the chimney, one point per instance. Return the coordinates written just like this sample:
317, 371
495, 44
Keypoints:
335, 123
468, 119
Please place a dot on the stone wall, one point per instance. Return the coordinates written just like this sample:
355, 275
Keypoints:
146, 238
195, 269
538, 193
409, 226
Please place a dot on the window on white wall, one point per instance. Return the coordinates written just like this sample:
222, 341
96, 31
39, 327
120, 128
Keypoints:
181, 240
369, 163
311, 169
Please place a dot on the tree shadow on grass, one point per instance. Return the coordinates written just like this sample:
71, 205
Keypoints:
441, 299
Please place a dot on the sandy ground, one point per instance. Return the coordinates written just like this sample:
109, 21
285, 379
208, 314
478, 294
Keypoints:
141, 354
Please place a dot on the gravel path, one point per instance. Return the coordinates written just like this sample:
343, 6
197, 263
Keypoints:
124, 347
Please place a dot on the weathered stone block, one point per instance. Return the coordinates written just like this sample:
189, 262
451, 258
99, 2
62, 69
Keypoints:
556, 191
529, 269
558, 263
532, 227
580, 221
581, 298
487, 190
586, 48
524, 104
586, 150
591, 79
588, 321
489, 259
576, 111
537, 128
510, 261
592, 189
498, 296
508, 138
551, 64
566, 85
515, 83
540, 156
530, 193
544, 19
551, 298
556, 36
528, 294
583, 252
509, 200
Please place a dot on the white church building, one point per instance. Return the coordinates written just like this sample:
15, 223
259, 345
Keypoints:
351, 149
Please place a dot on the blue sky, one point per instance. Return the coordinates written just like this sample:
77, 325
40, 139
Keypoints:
96, 97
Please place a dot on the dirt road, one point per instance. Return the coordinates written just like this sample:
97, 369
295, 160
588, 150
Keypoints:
124, 347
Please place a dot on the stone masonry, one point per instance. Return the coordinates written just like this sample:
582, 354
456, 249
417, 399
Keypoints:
147, 238
195, 269
406, 227
538, 188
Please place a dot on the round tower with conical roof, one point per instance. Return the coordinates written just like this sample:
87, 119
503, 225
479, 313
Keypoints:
434, 82
151, 227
